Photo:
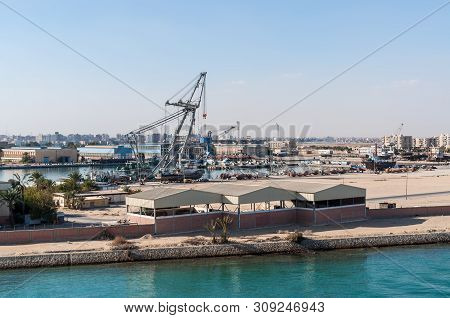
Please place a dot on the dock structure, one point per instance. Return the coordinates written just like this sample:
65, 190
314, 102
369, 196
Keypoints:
252, 204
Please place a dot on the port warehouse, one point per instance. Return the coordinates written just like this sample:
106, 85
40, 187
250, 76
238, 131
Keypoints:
40, 154
101, 153
49, 155
188, 208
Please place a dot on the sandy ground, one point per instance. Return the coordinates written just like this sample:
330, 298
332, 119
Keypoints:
355, 229
109, 215
424, 188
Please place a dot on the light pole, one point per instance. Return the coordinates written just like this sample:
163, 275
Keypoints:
406, 186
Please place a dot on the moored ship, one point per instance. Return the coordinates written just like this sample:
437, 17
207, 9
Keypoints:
379, 163
181, 175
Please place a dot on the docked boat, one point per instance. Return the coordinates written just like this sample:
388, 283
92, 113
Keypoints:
181, 175
379, 163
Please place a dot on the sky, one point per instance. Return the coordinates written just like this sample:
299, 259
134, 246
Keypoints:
261, 58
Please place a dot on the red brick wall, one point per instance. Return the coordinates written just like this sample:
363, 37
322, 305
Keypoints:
340, 214
408, 212
71, 234
184, 223
253, 220
4, 220
140, 219
304, 217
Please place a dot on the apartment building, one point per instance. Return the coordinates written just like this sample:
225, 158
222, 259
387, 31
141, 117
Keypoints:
399, 142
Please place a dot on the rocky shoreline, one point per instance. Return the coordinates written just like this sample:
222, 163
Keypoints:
307, 245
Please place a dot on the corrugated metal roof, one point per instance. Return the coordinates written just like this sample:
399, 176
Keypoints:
157, 193
96, 150
244, 193
228, 188
302, 187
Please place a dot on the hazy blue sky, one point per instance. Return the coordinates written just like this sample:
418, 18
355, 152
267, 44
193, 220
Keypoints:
261, 56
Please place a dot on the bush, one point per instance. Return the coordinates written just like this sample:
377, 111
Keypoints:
39, 204
119, 240
295, 237
220, 226
223, 224
121, 243
104, 235
211, 226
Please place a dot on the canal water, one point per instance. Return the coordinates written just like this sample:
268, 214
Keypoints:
50, 173
62, 172
420, 271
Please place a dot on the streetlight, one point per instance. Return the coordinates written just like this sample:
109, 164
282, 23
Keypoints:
406, 190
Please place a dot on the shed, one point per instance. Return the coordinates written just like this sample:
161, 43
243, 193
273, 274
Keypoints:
164, 197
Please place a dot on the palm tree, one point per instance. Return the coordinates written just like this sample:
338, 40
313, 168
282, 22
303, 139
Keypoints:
75, 176
19, 184
40, 182
10, 197
35, 176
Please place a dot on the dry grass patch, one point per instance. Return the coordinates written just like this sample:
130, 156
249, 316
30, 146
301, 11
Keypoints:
274, 238
121, 243
196, 241
295, 237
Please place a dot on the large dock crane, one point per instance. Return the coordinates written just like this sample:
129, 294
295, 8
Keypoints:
188, 100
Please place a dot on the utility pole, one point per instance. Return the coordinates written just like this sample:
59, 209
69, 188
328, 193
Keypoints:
406, 189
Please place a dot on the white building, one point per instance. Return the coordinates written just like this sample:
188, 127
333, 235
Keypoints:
399, 142
443, 141
367, 151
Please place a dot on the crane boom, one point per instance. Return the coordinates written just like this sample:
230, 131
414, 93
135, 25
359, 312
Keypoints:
157, 123
189, 102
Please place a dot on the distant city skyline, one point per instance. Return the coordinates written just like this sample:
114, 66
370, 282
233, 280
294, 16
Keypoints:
261, 57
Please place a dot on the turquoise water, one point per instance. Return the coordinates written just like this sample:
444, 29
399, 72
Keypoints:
350, 273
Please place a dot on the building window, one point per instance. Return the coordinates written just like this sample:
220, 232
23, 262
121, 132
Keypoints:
333, 203
348, 201
321, 204
359, 200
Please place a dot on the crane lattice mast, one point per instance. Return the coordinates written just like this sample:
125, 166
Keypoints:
191, 98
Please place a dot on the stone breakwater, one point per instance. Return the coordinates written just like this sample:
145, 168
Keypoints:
375, 241
103, 257
282, 247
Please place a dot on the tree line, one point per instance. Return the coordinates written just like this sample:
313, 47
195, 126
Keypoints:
33, 194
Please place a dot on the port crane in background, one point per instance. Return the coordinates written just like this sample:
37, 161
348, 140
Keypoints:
397, 133
187, 100
226, 131
399, 129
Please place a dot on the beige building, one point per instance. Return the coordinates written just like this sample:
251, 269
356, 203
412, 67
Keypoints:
228, 149
443, 141
424, 143
255, 150
399, 142
278, 147
96, 197
40, 154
